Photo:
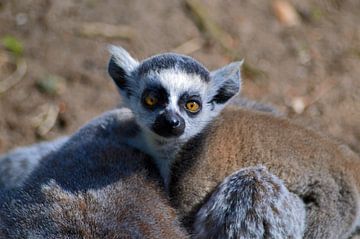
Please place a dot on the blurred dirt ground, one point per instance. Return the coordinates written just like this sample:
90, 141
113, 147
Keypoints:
303, 57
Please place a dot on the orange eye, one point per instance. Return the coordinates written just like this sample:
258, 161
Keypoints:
192, 106
150, 100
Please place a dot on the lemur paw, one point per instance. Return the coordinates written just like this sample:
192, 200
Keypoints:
251, 203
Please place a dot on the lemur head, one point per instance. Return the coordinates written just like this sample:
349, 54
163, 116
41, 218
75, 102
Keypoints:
172, 96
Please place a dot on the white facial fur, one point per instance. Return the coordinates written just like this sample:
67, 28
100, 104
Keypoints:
176, 83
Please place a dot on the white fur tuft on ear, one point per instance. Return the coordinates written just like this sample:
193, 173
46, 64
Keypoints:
225, 82
122, 58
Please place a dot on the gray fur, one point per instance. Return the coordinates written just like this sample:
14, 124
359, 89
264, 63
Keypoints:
251, 203
97, 147
94, 186
16, 165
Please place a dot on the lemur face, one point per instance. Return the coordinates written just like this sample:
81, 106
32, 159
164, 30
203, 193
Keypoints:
170, 102
171, 95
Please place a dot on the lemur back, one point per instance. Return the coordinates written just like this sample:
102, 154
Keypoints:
93, 186
16, 165
325, 175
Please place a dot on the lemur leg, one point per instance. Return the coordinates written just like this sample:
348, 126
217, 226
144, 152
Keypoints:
251, 203
16, 165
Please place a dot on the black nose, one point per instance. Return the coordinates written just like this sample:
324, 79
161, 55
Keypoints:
174, 122
169, 124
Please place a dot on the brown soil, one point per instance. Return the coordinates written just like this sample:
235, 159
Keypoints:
315, 63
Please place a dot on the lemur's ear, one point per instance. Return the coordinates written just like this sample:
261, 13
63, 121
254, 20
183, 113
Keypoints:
226, 83
120, 66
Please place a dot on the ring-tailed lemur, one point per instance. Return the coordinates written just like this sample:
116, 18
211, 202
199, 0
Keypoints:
324, 174
176, 92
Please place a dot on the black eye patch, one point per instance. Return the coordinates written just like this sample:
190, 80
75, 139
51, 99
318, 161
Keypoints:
186, 97
158, 92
